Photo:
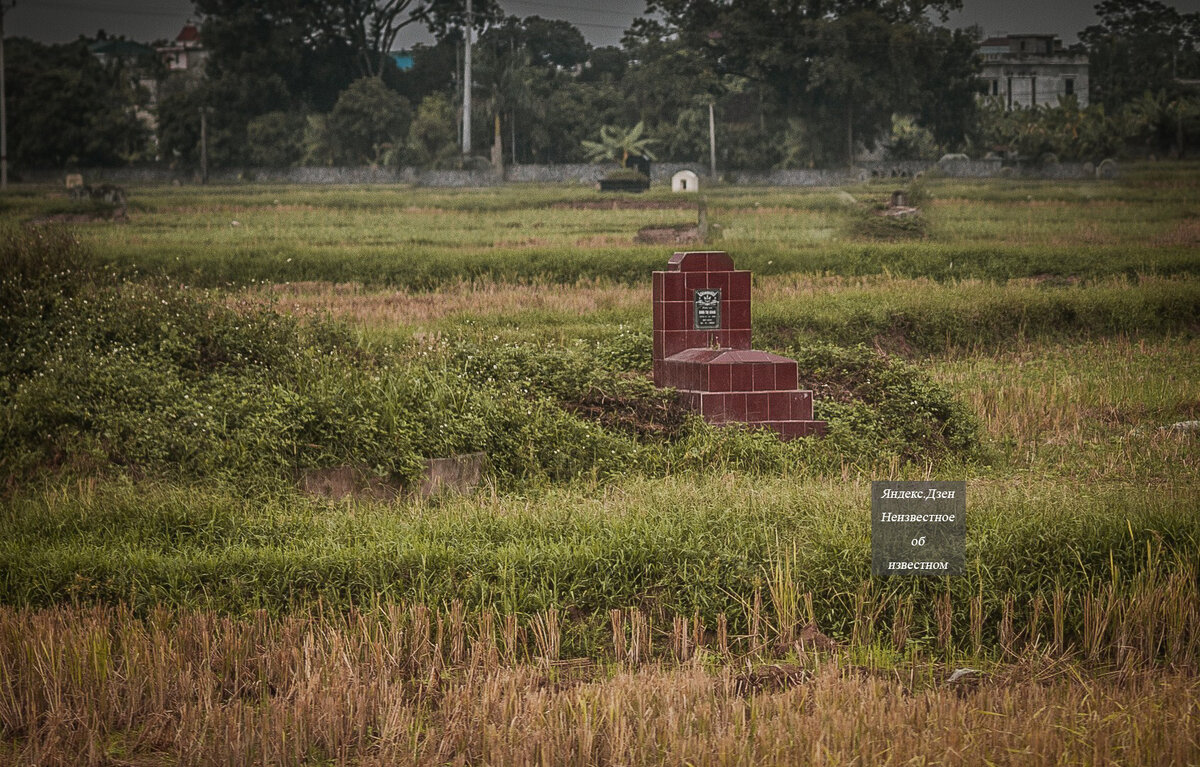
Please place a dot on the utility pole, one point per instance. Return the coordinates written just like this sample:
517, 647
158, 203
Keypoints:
203, 145
712, 142
4, 6
466, 142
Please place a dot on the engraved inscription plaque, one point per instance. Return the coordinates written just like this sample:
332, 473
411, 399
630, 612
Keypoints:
707, 307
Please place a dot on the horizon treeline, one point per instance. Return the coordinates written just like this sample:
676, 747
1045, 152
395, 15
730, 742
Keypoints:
790, 85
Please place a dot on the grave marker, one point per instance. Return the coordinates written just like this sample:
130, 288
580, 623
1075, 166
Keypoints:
701, 308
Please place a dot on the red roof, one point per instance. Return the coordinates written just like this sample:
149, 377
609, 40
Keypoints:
189, 34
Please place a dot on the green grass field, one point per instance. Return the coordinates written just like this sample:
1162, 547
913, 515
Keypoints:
166, 377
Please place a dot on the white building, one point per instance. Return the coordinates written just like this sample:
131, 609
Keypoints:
186, 53
685, 181
1032, 70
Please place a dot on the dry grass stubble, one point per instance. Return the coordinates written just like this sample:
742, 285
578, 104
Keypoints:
97, 686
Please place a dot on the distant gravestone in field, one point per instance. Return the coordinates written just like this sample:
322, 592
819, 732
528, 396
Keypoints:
458, 474
899, 199
74, 180
685, 181
1107, 168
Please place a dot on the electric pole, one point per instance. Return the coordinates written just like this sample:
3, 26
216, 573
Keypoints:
4, 6
712, 142
203, 145
466, 142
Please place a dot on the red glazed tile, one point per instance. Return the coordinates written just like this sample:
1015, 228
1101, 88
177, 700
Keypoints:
756, 406
741, 378
668, 375
675, 315
698, 339
802, 405
673, 287
689, 261
779, 406
719, 261
658, 345
712, 407
785, 375
718, 377
684, 377
694, 281
735, 407
672, 376
674, 341
764, 377
737, 315
656, 314
719, 281
739, 339
656, 289
739, 286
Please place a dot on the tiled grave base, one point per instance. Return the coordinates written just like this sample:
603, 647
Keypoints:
739, 386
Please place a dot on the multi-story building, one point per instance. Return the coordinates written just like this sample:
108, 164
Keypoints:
186, 53
1032, 70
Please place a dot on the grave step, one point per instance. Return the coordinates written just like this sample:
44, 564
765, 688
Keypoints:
726, 370
749, 407
793, 429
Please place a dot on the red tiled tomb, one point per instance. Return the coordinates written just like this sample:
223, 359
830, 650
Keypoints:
702, 349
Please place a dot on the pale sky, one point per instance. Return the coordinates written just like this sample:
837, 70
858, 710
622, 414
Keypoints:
602, 23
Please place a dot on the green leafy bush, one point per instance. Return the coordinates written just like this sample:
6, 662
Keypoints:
878, 403
145, 378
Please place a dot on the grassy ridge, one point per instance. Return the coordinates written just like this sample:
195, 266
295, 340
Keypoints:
930, 318
421, 238
424, 267
677, 546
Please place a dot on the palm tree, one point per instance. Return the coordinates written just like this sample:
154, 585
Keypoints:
617, 145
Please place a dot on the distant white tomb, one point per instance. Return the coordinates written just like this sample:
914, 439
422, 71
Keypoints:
685, 181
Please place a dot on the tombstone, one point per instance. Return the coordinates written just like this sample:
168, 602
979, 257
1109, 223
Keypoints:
685, 181
74, 180
639, 163
701, 307
899, 199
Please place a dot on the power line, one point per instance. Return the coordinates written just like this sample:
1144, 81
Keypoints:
114, 10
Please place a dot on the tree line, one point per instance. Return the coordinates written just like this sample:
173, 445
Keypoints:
791, 83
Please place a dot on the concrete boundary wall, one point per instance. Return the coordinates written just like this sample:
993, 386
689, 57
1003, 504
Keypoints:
578, 173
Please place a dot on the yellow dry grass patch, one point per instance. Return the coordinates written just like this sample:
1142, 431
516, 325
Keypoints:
98, 686
352, 302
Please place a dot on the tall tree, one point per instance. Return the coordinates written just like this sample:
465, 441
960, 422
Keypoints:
66, 108
369, 124
1139, 46
839, 67
319, 48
